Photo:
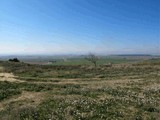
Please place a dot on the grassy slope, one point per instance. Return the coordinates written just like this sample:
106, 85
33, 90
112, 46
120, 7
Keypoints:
128, 91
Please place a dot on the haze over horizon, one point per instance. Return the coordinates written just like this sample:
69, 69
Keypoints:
29, 27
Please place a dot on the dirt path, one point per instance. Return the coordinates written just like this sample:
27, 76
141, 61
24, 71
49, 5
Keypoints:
26, 98
8, 77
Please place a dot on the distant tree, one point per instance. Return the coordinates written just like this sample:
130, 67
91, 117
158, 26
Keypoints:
14, 60
92, 58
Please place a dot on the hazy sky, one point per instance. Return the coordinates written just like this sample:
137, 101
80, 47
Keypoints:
79, 26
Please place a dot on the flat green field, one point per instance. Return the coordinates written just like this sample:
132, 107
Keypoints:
75, 90
82, 61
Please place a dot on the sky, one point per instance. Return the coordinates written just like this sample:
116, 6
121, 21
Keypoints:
52, 27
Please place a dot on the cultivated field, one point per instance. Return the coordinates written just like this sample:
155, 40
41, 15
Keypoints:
125, 91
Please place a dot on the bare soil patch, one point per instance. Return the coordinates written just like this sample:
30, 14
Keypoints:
8, 77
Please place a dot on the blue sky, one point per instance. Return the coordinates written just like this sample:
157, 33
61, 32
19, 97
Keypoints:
79, 26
